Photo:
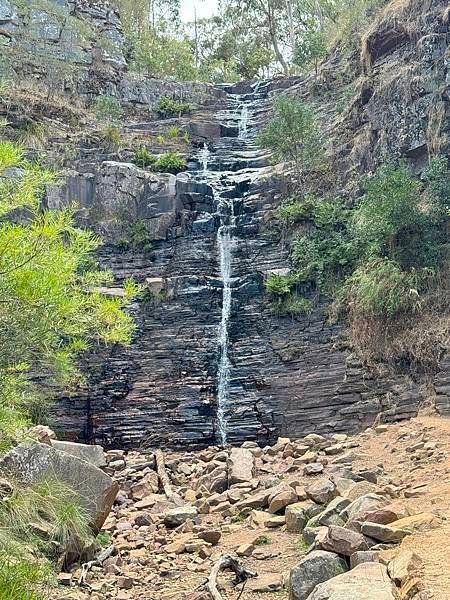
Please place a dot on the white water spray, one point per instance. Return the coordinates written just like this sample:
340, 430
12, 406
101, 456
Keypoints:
243, 122
225, 244
204, 157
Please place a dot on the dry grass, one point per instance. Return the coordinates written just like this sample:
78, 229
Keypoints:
398, 17
414, 343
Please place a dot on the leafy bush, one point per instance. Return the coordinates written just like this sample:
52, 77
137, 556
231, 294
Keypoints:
50, 306
293, 210
293, 134
382, 289
108, 108
143, 158
167, 107
292, 305
170, 162
311, 46
111, 137
390, 204
137, 238
279, 285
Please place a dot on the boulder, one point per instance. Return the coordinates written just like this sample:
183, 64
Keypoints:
296, 517
284, 498
342, 541
313, 468
177, 516
33, 463
241, 465
315, 568
403, 566
362, 488
419, 522
92, 454
321, 492
362, 505
387, 514
363, 556
367, 581
149, 484
383, 533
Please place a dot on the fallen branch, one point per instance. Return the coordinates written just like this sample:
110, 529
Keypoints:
227, 561
97, 562
162, 473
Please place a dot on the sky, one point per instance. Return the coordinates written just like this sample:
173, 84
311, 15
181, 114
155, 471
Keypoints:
205, 8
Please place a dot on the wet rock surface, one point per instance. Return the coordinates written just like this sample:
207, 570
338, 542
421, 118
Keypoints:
285, 375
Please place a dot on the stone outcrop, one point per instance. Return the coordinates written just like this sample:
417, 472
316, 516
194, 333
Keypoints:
315, 568
78, 47
35, 462
367, 581
287, 375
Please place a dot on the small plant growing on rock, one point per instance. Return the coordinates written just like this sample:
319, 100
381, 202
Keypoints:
263, 540
167, 107
108, 108
143, 158
111, 137
171, 162
238, 517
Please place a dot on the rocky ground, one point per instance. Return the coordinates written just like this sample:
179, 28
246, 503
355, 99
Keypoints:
296, 513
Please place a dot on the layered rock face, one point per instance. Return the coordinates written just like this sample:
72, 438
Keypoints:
77, 47
285, 375
288, 376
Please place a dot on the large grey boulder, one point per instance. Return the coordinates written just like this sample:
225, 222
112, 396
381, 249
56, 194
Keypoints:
92, 454
35, 462
342, 541
315, 568
367, 581
241, 464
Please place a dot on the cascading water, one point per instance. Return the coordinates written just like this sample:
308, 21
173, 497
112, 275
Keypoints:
214, 173
243, 122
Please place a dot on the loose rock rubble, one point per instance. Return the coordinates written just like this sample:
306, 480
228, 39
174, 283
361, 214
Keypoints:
308, 534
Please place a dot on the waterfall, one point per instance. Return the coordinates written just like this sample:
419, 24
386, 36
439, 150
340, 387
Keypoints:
243, 122
204, 158
225, 245
225, 242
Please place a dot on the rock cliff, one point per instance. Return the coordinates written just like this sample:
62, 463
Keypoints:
287, 375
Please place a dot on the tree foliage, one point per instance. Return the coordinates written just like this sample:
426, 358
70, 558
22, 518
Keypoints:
51, 304
293, 134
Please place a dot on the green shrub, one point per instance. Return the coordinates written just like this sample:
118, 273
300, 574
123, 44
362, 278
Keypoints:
437, 179
137, 237
292, 305
279, 285
294, 134
108, 108
390, 204
170, 162
111, 137
294, 210
143, 158
167, 107
380, 289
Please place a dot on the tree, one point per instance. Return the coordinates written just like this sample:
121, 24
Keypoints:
51, 306
293, 134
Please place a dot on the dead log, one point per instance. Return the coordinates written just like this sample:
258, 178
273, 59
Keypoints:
97, 562
227, 561
162, 473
